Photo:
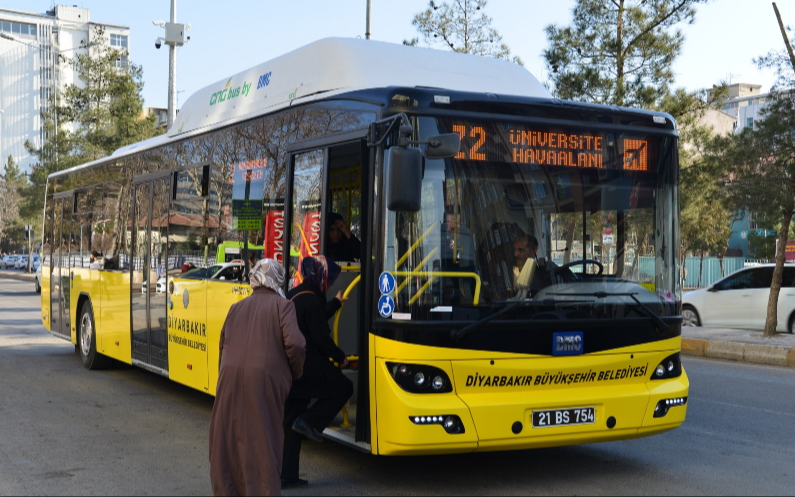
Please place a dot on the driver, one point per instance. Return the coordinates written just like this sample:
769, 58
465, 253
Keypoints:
524, 248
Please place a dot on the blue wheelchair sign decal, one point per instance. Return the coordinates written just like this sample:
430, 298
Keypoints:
386, 283
385, 306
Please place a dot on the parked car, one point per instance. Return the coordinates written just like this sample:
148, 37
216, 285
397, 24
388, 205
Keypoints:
22, 262
228, 271
740, 300
8, 261
36, 263
37, 280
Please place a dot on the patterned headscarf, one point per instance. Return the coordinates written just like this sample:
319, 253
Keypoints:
320, 271
268, 273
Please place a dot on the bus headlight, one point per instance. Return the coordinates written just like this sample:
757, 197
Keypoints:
419, 378
670, 367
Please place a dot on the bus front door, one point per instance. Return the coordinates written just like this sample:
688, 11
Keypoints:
60, 283
149, 256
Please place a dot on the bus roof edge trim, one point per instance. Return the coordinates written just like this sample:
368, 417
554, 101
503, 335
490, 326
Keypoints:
333, 64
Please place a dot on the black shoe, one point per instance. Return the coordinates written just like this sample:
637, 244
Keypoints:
293, 483
302, 427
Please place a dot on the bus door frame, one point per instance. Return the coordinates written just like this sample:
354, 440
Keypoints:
148, 359
363, 429
60, 297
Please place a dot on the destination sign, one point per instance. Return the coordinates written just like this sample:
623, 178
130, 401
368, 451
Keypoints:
522, 144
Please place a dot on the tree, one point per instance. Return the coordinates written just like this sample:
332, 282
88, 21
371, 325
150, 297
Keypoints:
760, 166
461, 26
11, 181
618, 52
90, 120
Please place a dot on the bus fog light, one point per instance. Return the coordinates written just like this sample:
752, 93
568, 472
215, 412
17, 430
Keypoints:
419, 380
438, 383
452, 424
663, 406
671, 366
660, 370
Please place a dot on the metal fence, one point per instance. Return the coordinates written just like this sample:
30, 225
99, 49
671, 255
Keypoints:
700, 273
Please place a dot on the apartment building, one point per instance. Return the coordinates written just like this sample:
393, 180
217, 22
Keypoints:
34, 53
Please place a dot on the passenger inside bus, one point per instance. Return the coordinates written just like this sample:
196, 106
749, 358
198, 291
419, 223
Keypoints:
341, 244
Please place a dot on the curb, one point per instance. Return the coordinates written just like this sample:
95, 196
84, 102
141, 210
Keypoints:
18, 276
739, 351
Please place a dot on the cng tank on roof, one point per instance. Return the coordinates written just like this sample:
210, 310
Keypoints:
334, 65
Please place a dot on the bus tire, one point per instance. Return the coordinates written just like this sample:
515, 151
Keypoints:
87, 340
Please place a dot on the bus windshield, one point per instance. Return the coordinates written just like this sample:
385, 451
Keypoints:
594, 207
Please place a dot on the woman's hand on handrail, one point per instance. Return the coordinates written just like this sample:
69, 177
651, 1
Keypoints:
340, 297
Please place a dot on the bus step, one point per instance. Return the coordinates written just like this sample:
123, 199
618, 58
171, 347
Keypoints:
345, 436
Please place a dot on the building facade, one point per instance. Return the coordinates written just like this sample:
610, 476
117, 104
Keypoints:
35, 50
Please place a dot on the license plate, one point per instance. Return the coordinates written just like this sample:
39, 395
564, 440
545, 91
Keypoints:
563, 417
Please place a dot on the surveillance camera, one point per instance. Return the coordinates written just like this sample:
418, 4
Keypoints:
158, 43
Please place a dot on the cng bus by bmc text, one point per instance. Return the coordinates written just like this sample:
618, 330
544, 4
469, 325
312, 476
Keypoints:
499, 300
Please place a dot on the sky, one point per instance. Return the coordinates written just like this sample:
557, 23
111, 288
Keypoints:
230, 37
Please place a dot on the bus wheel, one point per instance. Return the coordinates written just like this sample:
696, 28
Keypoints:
791, 323
87, 340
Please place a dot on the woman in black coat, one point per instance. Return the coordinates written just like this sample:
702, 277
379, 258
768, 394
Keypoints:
321, 380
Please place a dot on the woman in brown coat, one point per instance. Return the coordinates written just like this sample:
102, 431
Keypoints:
261, 352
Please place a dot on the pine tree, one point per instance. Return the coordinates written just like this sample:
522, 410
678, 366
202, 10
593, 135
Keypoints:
618, 52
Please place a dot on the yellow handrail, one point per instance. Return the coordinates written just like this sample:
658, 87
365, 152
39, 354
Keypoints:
415, 245
443, 274
420, 265
336, 327
346, 423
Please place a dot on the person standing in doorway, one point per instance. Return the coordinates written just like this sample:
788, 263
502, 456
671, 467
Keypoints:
321, 379
341, 244
262, 352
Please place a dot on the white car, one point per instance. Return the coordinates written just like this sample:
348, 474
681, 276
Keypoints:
8, 261
36, 263
228, 271
22, 262
740, 300
37, 280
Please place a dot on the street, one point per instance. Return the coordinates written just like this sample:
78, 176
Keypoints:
68, 431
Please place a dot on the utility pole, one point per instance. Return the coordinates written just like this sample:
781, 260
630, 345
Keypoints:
175, 37
367, 33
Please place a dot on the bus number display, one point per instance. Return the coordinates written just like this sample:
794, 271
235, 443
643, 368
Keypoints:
546, 147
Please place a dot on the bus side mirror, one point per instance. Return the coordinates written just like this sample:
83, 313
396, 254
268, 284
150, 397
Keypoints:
404, 179
443, 146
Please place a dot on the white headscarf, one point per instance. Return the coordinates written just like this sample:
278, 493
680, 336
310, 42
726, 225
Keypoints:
268, 273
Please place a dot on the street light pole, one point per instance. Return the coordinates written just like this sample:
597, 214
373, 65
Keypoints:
172, 70
175, 37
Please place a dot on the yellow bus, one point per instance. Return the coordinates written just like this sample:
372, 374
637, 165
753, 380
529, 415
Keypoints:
517, 284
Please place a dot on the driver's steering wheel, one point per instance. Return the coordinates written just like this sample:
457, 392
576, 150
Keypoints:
584, 262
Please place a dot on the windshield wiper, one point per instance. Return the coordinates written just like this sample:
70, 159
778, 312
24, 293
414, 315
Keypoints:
655, 319
456, 335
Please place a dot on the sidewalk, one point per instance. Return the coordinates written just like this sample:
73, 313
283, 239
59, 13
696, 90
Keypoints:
739, 345
714, 343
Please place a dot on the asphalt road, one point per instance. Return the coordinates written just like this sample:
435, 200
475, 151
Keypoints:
68, 431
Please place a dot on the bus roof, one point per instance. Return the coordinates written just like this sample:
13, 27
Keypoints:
344, 64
